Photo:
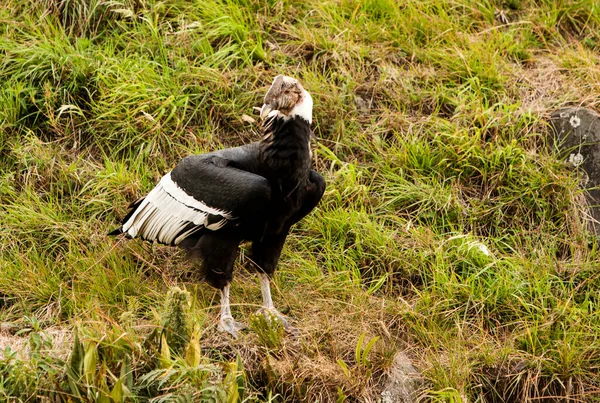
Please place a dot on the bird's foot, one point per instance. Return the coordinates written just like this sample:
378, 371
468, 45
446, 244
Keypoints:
229, 325
270, 313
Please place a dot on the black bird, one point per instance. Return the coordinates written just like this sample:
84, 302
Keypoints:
209, 203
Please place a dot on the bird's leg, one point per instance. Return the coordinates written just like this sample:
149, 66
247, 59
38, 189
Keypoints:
226, 322
268, 309
265, 289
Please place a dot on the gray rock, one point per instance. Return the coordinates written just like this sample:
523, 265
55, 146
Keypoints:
363, 105
403, 383
576, 133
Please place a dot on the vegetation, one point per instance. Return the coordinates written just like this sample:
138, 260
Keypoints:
449, 230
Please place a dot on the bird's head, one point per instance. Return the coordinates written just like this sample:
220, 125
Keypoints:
287, 98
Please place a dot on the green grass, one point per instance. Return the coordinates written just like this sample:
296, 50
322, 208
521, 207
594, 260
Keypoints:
449, 228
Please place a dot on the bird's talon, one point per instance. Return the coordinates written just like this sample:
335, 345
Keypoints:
231, 326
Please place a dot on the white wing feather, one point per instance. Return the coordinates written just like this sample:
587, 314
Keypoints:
168, 210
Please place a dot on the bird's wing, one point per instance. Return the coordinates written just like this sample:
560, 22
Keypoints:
203, 191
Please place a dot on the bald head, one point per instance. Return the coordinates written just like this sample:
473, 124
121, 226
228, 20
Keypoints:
289, 98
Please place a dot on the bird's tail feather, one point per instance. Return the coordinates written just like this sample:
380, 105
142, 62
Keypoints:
133, 206
116, 231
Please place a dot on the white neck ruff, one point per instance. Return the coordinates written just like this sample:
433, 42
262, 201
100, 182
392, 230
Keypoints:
304, 108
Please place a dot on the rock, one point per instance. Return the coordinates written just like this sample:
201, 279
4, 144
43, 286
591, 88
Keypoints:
501, 17
272, 46
248, 119
363, 105
576, 133
403, 383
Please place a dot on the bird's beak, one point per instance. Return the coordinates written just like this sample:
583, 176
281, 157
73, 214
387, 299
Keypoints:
265, 110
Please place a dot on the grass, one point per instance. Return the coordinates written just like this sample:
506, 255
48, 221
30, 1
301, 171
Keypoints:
449, 230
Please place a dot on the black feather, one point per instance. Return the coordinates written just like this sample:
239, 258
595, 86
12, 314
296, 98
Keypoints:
259, 191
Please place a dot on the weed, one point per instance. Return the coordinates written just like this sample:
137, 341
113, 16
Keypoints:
176, 321
269, 330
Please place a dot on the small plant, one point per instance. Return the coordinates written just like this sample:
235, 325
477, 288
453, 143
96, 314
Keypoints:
176, 332
193, 351
88, 380
235, 381
447, 395
176, 380
268, 328
361, 354
362, 371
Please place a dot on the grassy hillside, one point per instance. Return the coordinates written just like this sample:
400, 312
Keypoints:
449, 231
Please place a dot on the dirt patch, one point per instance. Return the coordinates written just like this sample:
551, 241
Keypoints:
541, 85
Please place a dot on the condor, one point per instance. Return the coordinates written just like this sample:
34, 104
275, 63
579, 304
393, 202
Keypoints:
208, 204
